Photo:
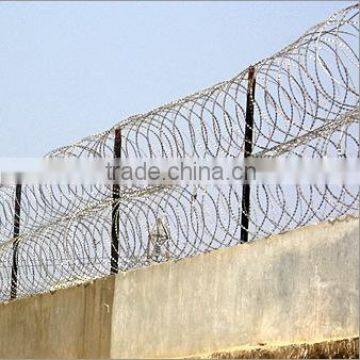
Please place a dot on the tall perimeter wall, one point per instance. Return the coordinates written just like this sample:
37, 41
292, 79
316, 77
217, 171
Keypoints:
298, 287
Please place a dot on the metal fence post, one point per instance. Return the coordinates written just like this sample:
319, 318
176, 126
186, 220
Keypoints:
249, 123
14, 268
115, 231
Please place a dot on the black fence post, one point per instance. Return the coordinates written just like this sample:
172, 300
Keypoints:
115, 231
14, 269
249, 123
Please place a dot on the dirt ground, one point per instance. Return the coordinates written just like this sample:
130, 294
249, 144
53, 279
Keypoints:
334, 349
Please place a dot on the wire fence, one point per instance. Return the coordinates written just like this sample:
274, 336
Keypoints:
301, 102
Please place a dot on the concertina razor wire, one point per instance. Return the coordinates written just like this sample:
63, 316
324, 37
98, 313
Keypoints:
305, 104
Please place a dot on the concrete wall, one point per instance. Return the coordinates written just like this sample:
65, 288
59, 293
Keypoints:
71, 323
299, 286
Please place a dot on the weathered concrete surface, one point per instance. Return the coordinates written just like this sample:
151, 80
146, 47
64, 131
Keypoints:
300, 286
71, 323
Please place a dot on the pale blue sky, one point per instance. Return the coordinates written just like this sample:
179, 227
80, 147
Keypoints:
68, 70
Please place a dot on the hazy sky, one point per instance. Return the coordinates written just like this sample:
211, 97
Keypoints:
68, 70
